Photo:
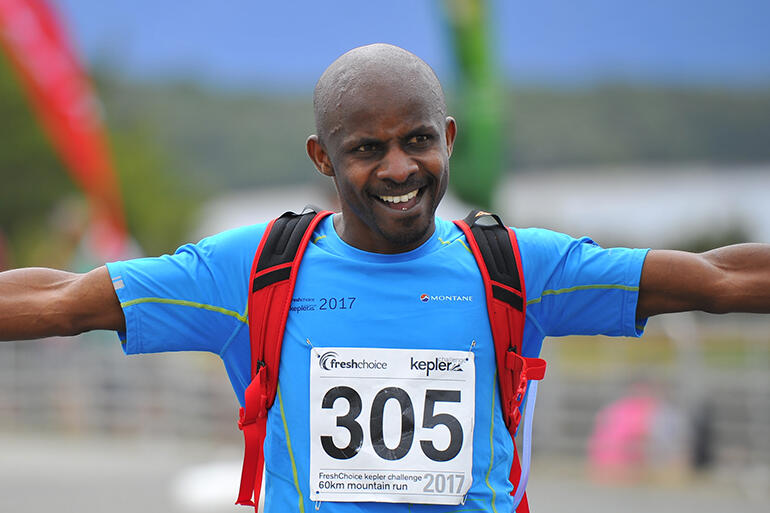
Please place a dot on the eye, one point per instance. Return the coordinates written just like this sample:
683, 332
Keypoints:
365, 148
419, 140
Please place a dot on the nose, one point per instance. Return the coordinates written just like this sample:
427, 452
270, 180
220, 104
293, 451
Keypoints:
397, 166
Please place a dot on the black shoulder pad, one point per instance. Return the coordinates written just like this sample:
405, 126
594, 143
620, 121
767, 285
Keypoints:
494, 243
281, 247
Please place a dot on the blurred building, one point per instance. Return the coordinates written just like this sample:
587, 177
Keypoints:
632, 205
643, 206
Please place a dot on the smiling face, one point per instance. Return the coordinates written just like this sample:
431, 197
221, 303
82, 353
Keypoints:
387, 145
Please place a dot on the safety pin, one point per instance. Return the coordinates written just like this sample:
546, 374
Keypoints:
470, 349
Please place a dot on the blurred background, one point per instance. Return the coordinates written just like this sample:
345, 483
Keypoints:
129, 128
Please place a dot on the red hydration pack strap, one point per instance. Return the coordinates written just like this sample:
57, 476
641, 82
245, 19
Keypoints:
273, 275
496, 251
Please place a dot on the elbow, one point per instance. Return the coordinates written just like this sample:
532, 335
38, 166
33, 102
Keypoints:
731, 294
65, 323
69, 311
73, 326
717, 307
720, 290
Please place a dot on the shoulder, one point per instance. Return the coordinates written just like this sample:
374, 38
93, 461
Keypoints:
217, 259
576, 287
541, 239
542, 250
540, 246
242, 240
553, 259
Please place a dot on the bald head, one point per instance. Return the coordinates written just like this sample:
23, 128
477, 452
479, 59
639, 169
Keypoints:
364, 67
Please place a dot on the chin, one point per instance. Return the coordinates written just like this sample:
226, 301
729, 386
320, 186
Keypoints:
410, 233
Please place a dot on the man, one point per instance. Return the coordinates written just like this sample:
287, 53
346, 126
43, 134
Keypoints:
384, 137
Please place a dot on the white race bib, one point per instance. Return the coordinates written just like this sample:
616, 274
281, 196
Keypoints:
391, 425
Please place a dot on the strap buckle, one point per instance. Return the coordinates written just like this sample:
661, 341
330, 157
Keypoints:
515, 416
255, 403
514, 406
242, 419
530, 368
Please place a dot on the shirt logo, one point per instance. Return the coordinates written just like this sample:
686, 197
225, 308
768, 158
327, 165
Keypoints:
445, 298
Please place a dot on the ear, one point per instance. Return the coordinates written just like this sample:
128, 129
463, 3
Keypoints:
318, 155
449, 133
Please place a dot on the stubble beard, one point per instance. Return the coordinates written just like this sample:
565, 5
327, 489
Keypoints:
406, 233
414, 231
410, 231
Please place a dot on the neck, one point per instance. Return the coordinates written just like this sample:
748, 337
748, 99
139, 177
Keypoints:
372, 241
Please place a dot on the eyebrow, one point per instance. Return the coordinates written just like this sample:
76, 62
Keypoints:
355, 142
422, 129
365, 139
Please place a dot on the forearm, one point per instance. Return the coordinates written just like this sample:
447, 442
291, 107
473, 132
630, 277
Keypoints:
729, 279
745, 278
39, 302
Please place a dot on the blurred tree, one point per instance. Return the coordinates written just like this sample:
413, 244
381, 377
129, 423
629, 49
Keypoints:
160, 203
478, 159
32, 177
232, 140
5, 260
734, 233
160, 207
615, 124
224, 139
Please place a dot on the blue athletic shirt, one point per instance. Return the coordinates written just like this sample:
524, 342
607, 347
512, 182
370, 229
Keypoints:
430, 297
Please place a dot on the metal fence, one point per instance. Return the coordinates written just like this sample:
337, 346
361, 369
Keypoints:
86, 386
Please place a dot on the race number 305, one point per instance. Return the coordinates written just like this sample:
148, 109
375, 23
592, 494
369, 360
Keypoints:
391, 425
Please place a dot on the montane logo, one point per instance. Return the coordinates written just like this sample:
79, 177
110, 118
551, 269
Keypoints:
445, 298
328, 361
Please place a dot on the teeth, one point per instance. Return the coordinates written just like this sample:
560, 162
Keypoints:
400, 199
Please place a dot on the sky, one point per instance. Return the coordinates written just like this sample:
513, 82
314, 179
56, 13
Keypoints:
248, 43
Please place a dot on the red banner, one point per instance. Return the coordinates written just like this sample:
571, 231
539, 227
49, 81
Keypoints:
63, 99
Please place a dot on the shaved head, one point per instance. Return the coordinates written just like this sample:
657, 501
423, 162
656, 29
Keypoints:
367, 66
383, 136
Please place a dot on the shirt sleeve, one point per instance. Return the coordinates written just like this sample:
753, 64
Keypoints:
576, 287
193, 300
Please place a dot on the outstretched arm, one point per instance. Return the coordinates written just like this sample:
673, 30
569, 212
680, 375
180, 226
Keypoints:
38, 302
729, 279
